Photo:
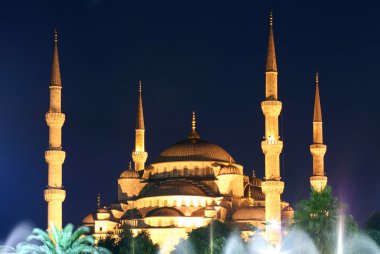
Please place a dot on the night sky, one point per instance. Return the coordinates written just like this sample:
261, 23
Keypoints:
207, 56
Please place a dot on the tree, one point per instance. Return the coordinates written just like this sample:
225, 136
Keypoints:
59, 242
318, 216
373, 221
126, 243
143, 244
209, 239
372, 227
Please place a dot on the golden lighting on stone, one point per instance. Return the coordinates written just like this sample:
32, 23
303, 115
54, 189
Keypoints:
191, 182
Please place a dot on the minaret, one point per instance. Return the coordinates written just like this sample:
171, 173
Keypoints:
54, 194
272, 146
318, 181
139, 155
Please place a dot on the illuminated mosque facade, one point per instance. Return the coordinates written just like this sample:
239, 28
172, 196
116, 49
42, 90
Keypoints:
193, 181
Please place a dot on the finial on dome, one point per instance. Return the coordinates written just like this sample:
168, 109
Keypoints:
250, 199
130, 166
253, 173
193, 134
193, 122
98, 200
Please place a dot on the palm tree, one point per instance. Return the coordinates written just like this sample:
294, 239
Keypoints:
63, 241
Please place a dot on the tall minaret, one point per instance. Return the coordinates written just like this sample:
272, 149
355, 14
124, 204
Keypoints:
54, 194
272, 146
318, 181
139, 155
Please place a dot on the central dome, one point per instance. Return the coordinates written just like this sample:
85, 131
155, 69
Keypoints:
194, 149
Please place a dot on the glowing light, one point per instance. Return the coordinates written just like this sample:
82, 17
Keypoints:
270, 251
275, 224
271, 140
340, 243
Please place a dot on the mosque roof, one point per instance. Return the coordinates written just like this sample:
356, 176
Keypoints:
129, 173
229, 169
256, 193
165, 211
131, 214
288, 209
194, 149
89, 219
175, 188
249, 213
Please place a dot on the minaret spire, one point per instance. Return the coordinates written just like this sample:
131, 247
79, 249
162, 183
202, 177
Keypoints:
317, 102
318, 181
271, 54
140, 113
55, 194
139, 155
272, 145
55, 79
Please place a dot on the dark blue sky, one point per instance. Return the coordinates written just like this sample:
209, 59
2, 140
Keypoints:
206, 55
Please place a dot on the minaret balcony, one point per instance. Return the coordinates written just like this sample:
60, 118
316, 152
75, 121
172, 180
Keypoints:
271, 146
54, 194
55, 119
272, 187
318, 149
55, 157
271, 108
139, 155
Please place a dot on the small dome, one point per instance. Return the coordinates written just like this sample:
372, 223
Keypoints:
164, 212
131, 214
288, 209
249, 213
102, 210
194, 149
229, 169
256, 193
89, 219
175, 188
129, 173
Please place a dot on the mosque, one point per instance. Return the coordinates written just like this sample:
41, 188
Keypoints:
191, 182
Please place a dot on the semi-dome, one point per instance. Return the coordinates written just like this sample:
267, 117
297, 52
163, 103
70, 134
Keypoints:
175, 188
194, 149
256, 193
288, 209
229, 169
165, 211
131, 214
129, 174
249, 213
89, 219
